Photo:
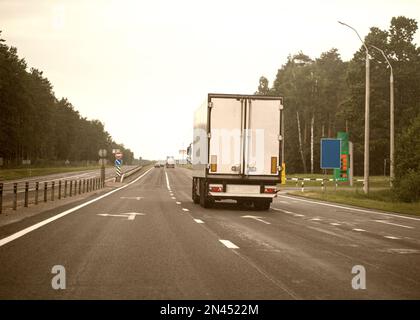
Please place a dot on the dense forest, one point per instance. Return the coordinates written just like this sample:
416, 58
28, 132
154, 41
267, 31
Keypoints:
326, 95
35, 125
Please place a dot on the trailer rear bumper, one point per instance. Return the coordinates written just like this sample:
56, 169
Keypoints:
229, 195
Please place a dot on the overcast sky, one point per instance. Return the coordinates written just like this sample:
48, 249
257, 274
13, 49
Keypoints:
143, 67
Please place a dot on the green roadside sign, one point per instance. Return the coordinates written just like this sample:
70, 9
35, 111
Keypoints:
342, 174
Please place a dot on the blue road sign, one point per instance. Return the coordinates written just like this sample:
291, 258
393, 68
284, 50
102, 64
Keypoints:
330, 153
118, 162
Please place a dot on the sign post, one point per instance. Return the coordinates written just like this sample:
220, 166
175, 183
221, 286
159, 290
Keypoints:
102, 162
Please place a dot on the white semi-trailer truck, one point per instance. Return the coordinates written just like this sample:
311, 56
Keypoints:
237, 149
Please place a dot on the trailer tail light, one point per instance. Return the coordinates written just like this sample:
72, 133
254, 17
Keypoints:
213, 163
273, 165
216, 188
270, 189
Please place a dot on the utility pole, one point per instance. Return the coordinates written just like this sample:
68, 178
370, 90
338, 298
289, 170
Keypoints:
367, 100
391, 117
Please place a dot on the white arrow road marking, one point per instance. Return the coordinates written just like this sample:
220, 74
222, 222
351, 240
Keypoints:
132, 198
128, 215
256, 218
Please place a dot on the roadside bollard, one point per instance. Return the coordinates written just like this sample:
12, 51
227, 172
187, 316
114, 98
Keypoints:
26, 194
322, 185
336, 185
36, 192
71, 188
1, 197
15, 196
59, 189
303, 186
65, 188
52, 190
45, 191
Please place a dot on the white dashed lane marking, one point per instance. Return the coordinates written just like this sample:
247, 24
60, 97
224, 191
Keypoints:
392, 237
185, 209
198, 221
359, 230
178, 202
229, 244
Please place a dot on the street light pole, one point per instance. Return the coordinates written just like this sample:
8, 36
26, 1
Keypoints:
367, 100
391, 117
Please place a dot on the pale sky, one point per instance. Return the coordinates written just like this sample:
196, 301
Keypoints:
143, 67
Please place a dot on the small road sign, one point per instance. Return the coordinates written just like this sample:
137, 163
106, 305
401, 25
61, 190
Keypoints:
102, 153
330, 153
118, 162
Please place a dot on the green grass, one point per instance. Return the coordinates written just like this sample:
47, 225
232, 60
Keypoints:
12, 174
377, 199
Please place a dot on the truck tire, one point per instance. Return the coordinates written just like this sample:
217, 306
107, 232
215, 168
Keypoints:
204, 199
195, 197
262, 205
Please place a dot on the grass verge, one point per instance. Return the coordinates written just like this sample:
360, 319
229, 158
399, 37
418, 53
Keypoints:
380, 199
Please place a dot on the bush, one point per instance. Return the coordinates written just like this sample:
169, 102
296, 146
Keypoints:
408, 187
407, 163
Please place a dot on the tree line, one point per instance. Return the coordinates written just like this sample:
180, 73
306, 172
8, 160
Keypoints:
326, 95
36, 125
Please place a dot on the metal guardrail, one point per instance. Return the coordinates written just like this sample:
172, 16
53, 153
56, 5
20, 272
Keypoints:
50, 189
131, 172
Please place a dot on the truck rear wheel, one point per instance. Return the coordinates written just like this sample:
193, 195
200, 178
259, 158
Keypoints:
204, 199
262, 204
195, 197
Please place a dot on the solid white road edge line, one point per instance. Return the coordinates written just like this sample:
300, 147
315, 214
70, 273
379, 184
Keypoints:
167, 181
354, 209
394, 224
62, 214
229, 244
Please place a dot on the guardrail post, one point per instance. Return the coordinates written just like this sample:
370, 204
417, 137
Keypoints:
36, 192
65, 188
59, 189
1, 197
45, 191
26, 194
80, 186
15, 196
71, 188
303, 186
83, 185
322, 185
52, 190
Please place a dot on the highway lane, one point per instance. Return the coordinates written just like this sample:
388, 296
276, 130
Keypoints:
178, 250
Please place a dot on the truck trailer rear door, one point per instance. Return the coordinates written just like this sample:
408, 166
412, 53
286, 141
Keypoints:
226, 145
262, 137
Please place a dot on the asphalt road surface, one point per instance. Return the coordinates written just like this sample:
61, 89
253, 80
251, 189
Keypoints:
149, 241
